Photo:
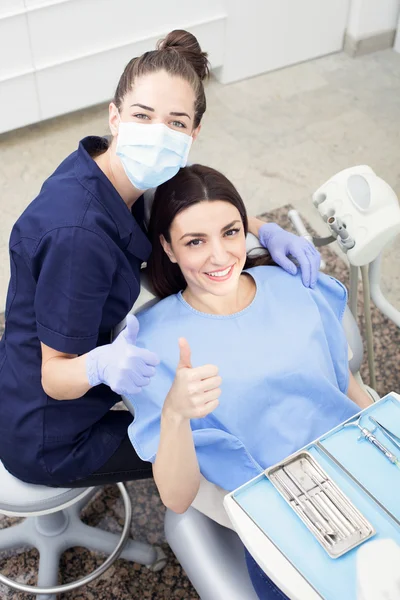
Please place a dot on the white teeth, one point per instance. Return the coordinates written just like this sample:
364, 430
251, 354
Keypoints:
220, 273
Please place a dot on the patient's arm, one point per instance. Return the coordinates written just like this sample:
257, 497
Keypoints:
193, 394
176, 470
357, 394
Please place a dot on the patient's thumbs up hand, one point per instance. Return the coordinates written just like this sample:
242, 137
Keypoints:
184, 355
195, 391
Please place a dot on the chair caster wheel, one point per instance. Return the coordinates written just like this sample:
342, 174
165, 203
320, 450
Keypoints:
160, 561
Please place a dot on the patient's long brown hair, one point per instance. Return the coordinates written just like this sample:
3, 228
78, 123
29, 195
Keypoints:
190, 185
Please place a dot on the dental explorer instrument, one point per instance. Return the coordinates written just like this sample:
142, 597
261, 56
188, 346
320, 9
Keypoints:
370, 437
329, 509
331, 496
307, 512
333, 504
395, 439
321, 514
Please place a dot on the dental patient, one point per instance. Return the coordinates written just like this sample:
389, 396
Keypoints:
254, 365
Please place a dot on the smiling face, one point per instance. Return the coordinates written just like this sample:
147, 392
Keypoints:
209, 245
158, 98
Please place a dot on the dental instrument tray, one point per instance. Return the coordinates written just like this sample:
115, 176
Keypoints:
330, 516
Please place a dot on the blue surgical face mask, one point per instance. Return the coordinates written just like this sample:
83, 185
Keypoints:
151, 154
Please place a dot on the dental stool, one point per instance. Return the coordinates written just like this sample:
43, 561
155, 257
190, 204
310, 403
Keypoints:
52, 524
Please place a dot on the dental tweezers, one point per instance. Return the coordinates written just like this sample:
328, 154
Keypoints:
372, 439
387, 433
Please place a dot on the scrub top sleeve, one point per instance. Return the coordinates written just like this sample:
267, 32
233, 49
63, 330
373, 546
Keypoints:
74, 270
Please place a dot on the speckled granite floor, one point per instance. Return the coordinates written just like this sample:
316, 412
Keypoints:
126, 581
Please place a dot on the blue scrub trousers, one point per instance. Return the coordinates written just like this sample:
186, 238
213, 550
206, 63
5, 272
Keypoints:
265, 588
123, 465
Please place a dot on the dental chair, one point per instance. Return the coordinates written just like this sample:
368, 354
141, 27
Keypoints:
363, 215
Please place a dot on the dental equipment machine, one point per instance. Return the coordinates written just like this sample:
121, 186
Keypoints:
361, 210
362, 213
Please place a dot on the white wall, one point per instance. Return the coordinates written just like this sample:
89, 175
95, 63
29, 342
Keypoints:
369, 17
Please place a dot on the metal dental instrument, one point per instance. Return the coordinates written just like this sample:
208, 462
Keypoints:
372, 439
342, 530
309, 514
395, 439
331, 495
322, 516
343, 524
320, 504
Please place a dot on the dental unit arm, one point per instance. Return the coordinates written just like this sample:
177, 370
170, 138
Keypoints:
363, 214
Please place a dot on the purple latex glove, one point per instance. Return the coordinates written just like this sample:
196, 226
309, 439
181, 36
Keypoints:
280, 244
122, 366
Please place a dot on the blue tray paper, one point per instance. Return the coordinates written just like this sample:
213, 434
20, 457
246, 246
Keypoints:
366, 463
332, 578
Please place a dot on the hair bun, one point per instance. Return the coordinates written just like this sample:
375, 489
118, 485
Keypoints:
187, 45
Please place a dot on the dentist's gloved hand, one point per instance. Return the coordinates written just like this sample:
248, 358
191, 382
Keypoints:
122, 366
280, 244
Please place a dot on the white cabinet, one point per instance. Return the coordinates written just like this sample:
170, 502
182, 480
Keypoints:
15, 53
19, 102
92, 79
264, 35
75, 29
57, 56
11, 7
64, 55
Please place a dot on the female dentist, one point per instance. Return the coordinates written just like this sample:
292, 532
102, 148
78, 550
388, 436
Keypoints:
75, 255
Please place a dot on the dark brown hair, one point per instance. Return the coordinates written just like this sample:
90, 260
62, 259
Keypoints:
179, 54
190, 185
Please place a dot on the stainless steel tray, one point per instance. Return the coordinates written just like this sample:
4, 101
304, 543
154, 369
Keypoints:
332, 518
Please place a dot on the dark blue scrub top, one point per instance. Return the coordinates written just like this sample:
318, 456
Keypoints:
75, 254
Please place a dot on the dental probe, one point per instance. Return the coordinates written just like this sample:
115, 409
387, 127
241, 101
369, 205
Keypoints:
369, 436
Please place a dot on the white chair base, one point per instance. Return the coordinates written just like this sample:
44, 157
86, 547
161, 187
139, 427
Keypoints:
54, 532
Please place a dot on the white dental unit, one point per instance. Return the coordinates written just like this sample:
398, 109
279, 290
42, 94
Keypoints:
325, 522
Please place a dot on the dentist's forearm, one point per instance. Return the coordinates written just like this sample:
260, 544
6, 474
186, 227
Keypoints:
176, 469
65, 378
254, 225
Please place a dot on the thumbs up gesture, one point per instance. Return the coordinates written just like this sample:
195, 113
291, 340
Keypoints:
195, 391
122, 366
